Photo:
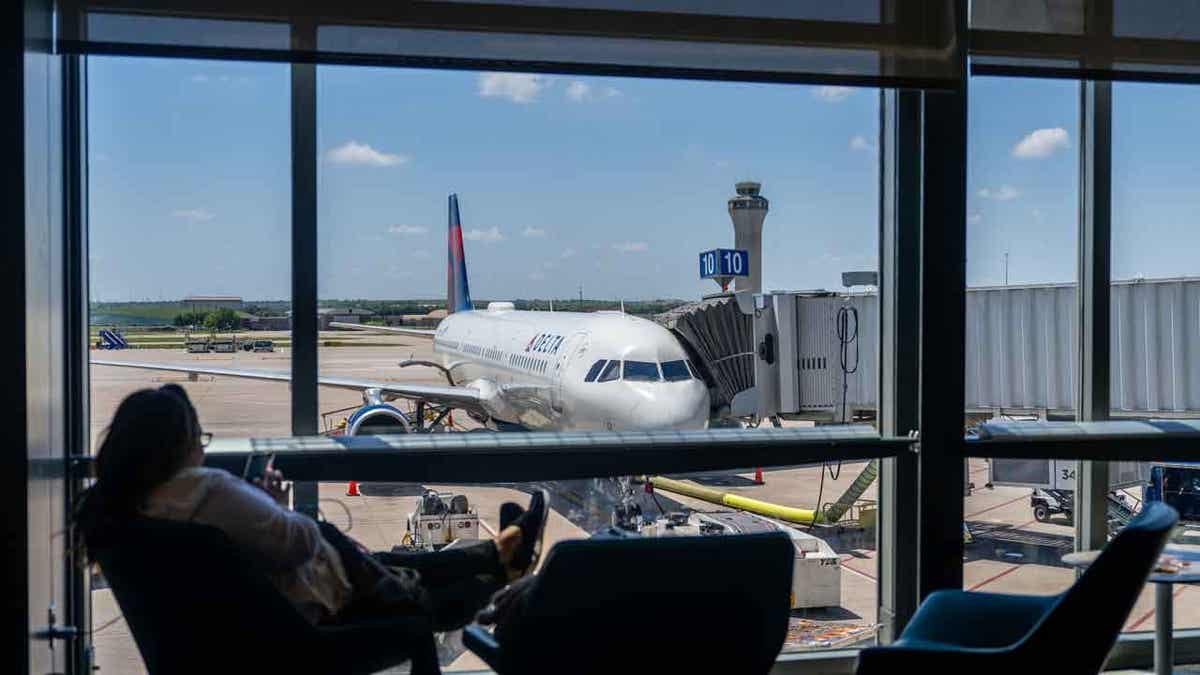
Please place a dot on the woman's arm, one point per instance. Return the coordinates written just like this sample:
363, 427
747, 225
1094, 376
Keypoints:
255, 522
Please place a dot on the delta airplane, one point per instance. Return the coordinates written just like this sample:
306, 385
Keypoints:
558, 371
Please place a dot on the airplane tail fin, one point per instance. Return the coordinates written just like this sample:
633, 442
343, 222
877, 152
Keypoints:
458, 295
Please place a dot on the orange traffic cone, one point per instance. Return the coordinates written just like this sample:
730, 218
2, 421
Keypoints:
352, 489
758, 477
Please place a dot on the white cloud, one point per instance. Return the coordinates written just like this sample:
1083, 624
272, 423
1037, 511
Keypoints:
631, 246
532, 231
831, 94
407, 229
860, 143
1041, 143
568, 253
1002, 194
579, 91
612, 92
516, 87
974, 219
194, 215
537, 276
490, 234
355, 153
203, 78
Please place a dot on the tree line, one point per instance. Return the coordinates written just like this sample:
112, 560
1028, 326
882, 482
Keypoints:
217, 319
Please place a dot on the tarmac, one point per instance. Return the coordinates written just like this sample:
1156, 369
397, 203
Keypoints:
1010, 552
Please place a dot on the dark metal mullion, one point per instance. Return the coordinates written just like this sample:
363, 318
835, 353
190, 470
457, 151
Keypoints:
75, 339
1093, 302
543, 20
899, 384
304, 267
296, 55
943, 334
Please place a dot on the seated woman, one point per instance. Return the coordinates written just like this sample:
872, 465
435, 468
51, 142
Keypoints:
150, 464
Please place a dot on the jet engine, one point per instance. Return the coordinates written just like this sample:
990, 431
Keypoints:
378, 418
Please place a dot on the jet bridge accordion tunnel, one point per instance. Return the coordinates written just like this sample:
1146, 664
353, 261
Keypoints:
794, 354
814, 354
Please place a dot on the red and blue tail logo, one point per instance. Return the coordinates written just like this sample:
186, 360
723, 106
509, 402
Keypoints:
458, 295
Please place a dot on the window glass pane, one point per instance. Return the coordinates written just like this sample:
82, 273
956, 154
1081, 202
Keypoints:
1156, 307
570, 213
641, 371
611, 372
675, 371
1022, 219
189, 223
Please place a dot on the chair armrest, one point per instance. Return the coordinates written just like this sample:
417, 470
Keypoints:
483, 644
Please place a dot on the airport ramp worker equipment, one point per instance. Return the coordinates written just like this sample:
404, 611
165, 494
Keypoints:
1118, 511
111, 339
838, 509
786, 513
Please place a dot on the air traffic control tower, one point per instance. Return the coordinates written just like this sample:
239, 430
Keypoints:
748, 210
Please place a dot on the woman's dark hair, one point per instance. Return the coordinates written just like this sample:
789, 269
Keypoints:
149, 439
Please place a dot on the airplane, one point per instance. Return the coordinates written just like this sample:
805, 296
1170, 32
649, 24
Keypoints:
522, 370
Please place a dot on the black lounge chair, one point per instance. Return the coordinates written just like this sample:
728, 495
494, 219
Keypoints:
966, 632
195, 605
642, 605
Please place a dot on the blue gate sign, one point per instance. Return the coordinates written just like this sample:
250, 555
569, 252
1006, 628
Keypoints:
724, 262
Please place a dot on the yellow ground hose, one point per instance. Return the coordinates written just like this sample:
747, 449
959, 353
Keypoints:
787, 513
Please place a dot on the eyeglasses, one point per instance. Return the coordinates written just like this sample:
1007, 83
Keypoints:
205, 438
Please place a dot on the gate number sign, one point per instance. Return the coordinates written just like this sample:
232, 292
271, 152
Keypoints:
724, 262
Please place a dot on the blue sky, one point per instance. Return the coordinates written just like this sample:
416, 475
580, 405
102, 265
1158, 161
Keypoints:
612, 184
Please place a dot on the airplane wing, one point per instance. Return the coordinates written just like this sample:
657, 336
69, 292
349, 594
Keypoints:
414, 332
467, 398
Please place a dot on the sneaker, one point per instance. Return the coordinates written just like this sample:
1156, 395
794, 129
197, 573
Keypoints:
509, 512
533, 527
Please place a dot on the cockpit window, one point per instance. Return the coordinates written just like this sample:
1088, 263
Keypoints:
641, 371
611, 372
675, 371
692, 367
594, 371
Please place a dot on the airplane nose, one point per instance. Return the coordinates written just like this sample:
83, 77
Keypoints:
676, 408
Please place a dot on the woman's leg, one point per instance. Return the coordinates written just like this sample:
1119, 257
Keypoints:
454, 604
449, 565
450, 585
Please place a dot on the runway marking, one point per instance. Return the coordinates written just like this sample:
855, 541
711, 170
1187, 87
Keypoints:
996, 506
860, 573
994, 577
1146, 617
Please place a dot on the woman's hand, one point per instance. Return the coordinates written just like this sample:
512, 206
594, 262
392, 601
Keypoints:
272, 484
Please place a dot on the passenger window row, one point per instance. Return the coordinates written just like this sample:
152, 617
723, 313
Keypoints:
641, 371
528, 363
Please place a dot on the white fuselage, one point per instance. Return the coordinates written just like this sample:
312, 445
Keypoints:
533, 369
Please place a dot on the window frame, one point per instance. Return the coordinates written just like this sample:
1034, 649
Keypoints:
922, 217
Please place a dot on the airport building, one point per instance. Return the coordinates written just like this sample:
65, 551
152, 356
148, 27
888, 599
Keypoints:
932, 467
328, 315
207, 303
